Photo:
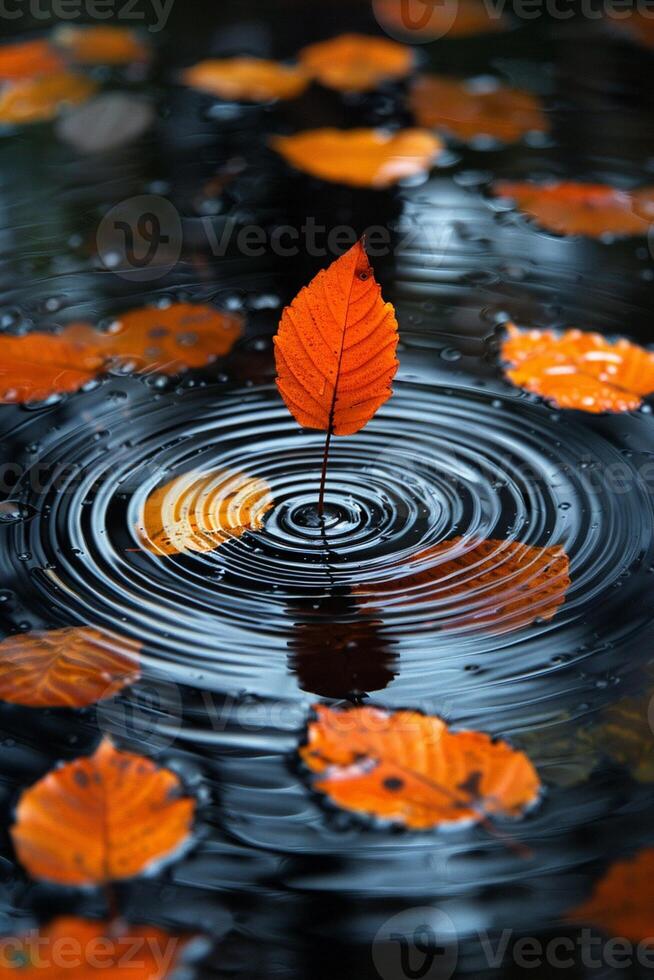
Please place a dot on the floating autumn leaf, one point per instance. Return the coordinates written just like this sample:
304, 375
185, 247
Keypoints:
579, 370
412, 769
169, 340
66, 668
81, 948
594, 210
360, 157
101, 45
197, 512
622, 903
356, 62
32, 100
491, 585
335, 350
467, 110
246, 79
28, 59
101, 818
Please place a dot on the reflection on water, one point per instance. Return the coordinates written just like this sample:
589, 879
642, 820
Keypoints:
241, 640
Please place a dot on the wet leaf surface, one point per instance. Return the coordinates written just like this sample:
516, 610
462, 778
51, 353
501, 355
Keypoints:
28, 59
32, 100
360, 157
102, 44
356, 62
622, 902
101, 818
246, 79
412, 769
71, 667
584, 371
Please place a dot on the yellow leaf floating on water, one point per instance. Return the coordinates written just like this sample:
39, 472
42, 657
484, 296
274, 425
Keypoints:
356, 62
71, 667
246, 79
197, 512
32, 100
360, 157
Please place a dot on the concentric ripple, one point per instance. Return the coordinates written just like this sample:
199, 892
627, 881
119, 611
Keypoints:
436, 465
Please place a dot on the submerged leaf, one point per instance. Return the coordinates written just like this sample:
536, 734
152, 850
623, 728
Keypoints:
32, 100
101, 818
423, 21
622, 903
579, 370
360, 157
82, 948
356, 62
28, 59
71, 667
412, 769
197, 512
246, 79
104, 44
335, 349
491, 585
467, 111
594, 210
168, 340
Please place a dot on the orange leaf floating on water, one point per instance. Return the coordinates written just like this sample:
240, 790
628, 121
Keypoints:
335, 349
101, 45
622, 903
467, 111
594, 210
356, 62
579, 370
494, 586
28, 59
71, 947
169, 340
410, 768
101, 818
360, 157
71, 667
199, 511
423, 20
246, 79
32, 100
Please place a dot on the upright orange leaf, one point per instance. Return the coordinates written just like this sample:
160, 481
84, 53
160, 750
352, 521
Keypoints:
246, 79
410, 768
103, 44
493, 586
82, 948
622, 903
197, 512
360, 157
356, 62
594, 210
101, 818
456, 107
579, 370
66, 668
32, 100
28, 59
169, 340
335, 350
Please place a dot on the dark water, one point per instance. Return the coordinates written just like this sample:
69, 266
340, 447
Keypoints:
241, 641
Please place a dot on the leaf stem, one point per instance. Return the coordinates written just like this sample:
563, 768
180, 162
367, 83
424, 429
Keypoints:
323, 475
